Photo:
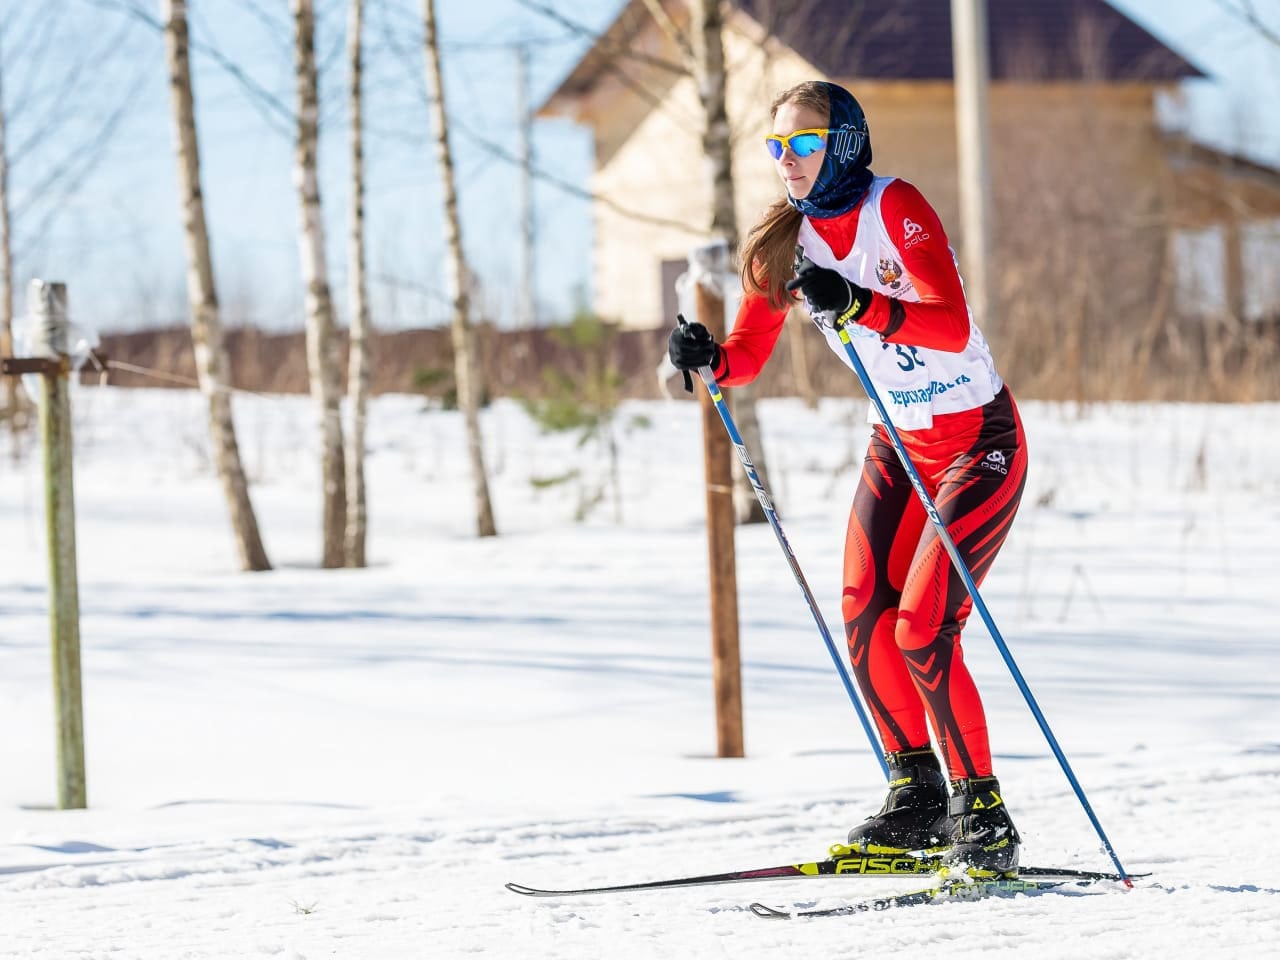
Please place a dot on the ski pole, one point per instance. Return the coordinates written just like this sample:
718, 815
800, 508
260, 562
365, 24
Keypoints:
953, 552
766, 502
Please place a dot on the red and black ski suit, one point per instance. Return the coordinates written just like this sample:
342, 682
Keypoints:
903, 604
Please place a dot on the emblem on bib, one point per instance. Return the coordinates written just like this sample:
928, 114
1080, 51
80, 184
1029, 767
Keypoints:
889, 273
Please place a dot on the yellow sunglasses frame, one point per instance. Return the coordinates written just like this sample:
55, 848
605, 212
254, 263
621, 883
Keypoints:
785, 139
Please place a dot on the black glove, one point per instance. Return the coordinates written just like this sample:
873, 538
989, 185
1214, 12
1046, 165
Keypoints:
827, 292
691, 346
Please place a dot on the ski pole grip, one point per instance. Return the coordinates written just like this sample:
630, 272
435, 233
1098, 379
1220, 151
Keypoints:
684, 329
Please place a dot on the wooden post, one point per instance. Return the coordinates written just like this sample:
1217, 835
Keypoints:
1234, 276
48, 304
718, 458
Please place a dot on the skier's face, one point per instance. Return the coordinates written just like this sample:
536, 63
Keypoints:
798, 173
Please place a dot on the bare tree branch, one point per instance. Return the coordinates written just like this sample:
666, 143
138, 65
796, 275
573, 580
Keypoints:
617, 53
668, 26
55, 119
502, 153
613, 49
72, 171
415, 286
413, 23
277, 115
41, 29
1244, 11
279, 29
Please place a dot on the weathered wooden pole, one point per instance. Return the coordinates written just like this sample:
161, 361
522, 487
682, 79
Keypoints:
48, 304
712, 263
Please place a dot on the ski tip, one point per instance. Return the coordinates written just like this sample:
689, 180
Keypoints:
769, 913
521, 889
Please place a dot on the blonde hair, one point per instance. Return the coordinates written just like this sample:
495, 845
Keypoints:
769, 252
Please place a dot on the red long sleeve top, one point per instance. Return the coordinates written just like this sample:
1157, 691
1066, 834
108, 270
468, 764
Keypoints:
940, 320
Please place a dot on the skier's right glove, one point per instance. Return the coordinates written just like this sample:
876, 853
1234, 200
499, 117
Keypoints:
691, 346
832, 299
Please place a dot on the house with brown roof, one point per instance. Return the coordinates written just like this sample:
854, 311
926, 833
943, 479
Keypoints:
1091, 194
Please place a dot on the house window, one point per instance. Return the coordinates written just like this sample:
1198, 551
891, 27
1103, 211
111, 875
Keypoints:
1260, 251
1203, 271
671, 270
1199, 258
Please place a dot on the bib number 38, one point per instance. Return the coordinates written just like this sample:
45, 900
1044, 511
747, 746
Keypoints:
908, 358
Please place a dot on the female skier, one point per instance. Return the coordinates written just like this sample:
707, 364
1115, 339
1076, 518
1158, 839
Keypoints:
870, 252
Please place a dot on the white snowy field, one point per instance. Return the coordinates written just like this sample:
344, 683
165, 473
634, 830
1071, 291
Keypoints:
310, 763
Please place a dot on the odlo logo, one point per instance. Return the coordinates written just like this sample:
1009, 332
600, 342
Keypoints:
913, 232
997, 461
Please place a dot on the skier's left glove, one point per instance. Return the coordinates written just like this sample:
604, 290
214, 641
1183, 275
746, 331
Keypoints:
832, 299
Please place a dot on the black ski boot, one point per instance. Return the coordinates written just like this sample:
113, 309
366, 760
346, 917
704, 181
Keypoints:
914, 816
984, 840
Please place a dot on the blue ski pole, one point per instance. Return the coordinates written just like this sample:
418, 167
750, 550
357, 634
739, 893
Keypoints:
766, 502
978, 604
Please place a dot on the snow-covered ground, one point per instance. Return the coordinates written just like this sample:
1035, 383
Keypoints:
311, 763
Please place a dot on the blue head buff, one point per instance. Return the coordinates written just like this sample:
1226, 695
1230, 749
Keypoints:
846, 174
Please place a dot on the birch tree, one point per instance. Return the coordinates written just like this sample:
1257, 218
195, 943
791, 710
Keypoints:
360, 359
709, 75
212, 365
702, 52
466, 367
322, 359
717, 144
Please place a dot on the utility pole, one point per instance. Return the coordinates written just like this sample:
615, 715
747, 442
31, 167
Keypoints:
527, 310
972, 70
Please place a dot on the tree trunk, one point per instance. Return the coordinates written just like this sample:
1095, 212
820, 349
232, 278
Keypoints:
322, 359
466, 367
708, 55
360, 360
212, 365
709, 75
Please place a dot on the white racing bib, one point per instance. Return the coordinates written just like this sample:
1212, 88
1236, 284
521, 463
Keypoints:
914, 383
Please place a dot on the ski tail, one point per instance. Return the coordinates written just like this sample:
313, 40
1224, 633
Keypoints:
948, 890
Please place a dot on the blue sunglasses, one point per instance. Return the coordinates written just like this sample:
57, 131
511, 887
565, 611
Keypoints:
802, 143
